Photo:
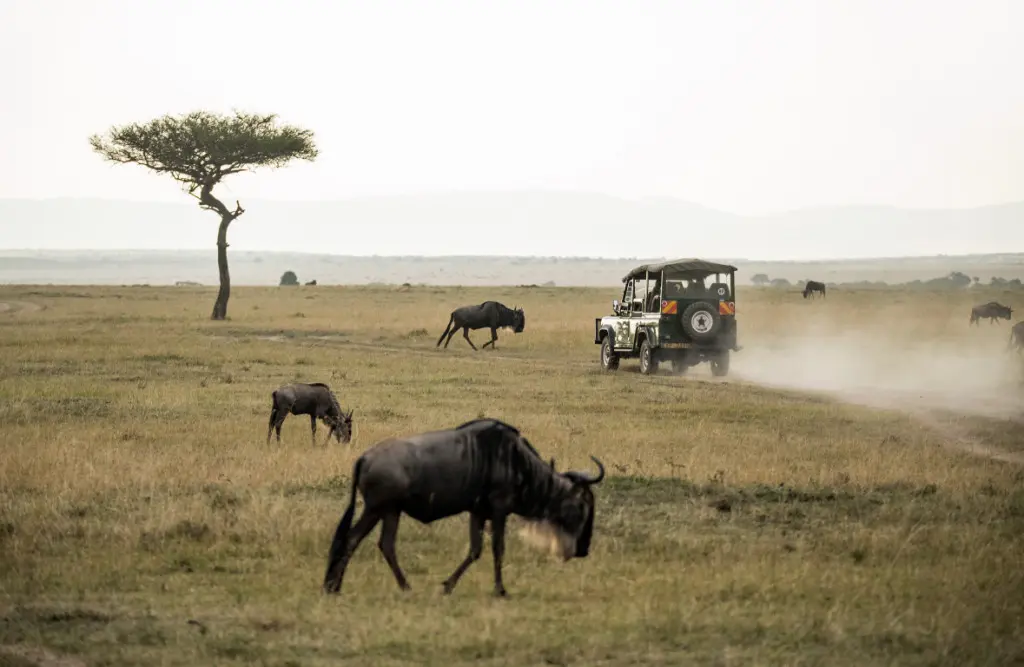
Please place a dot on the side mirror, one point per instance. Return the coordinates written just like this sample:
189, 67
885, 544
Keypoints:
615, 305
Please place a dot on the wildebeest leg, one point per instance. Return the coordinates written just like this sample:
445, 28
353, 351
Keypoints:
465, 334
386, 544
360, 530
450, 320
312, 427
280, 420
476, 548
498, 551
451, 333
494, 337
273, 418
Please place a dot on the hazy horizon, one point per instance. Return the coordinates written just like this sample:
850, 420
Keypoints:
524, 224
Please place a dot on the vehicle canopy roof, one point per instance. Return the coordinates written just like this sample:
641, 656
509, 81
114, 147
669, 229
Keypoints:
698, 268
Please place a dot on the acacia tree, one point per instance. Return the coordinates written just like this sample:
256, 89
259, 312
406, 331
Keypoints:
198, 150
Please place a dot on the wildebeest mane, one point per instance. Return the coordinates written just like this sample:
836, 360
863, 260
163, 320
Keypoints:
497, 423
522, 454
330, 393
494, 422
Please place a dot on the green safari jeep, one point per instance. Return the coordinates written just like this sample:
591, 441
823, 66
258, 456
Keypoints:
669, 313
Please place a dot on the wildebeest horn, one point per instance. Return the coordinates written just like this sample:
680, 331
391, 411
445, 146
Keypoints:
586, 478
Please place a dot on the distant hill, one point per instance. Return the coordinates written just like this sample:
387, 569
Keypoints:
515, 224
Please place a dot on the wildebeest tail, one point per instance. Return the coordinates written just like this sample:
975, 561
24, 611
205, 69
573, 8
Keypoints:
273, 406
341, 532
446, 329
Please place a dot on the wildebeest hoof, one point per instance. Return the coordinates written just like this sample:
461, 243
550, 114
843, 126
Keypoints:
500, 592
447, 587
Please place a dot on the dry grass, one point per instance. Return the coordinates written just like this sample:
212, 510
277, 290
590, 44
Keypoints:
143, 519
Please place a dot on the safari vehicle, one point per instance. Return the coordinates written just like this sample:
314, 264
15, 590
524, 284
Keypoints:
670, 313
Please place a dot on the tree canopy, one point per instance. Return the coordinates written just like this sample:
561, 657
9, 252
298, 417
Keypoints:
198, 150
201, 148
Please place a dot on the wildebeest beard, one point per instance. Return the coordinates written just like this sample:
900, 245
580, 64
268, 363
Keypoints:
555, 527
548, 535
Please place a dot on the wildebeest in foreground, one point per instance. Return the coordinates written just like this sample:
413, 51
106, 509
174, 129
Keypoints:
484, 467
489, 314
316, 400
1016, 337
993, 310
813, 286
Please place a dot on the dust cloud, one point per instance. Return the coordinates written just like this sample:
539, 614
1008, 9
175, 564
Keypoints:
973, 377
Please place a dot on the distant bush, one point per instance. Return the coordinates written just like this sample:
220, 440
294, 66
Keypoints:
953, 281
289, 278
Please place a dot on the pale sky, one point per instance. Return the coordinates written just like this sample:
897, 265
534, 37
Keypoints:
745, 106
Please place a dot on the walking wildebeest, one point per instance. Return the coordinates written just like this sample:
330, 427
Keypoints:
484, 467
316, 400
1016, 336
993, 310
489, 314
813, 286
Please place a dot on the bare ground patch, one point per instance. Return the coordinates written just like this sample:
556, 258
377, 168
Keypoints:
21, 655
12, 307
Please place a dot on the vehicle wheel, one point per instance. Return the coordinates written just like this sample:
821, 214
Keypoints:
720, 364
609, 360
701, 321
648, 360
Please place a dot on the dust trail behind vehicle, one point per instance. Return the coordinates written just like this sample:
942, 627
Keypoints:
884, 369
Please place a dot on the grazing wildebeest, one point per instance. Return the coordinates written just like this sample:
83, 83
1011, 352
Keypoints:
489, 314
484, 467
1016, 337
993, 310
813, 286
312, 282
316, 400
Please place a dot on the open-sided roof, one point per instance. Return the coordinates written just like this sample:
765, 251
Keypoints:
679, 266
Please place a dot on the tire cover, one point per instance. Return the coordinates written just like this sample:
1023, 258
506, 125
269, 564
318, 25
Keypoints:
701, 321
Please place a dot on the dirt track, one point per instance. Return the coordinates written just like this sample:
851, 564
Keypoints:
926, 410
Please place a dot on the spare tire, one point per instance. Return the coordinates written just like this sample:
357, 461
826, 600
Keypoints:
701, 321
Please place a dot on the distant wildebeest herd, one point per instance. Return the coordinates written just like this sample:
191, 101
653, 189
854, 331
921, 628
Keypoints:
993, 311
813, 286
484, 467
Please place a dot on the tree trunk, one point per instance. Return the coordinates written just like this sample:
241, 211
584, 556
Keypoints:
220, 306
208, 201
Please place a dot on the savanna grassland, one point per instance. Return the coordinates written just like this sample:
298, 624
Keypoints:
144, 519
